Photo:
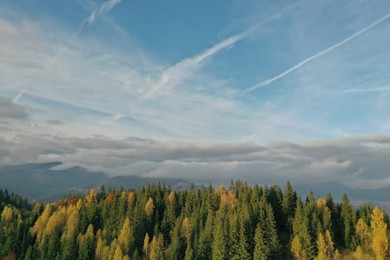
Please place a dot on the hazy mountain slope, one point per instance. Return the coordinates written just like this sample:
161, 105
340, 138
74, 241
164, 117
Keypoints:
40, 182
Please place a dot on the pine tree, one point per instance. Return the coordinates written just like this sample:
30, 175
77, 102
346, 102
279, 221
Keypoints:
189, 252
218, 244
205, 238
261, 251
243, 250
302, 245
347, 218
86, 250
288, 205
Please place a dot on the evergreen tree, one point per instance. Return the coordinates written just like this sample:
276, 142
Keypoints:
347, 218
219, 250
289, 204
261, 251
205, 239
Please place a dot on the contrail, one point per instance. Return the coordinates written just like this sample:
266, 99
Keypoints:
364, 90
16, 99
176, 73
319, 54
103, 9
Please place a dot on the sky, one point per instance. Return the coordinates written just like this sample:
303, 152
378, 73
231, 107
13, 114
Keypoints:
262, 91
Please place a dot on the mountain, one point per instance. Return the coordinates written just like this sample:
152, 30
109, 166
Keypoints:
378, 197
39, 181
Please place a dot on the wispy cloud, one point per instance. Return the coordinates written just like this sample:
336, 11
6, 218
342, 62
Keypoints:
315, 56
103, 9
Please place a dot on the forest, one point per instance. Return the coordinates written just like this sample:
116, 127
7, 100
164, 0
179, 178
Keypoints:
241, 221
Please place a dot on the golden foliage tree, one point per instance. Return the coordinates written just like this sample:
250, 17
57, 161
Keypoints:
118, 253
380, 241
321, 246
156, 248
228, 198
171, 196
362, 233
186, 228
329, 245
91, 197
126, 237
149, 207
297, 249
146, 245
7, 214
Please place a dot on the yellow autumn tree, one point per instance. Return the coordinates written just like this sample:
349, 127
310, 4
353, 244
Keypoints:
41, 222
380, 241
329, 245
321, 246
72, 224
171, 196
297, 249
99, 248
358, 254
126, 237
321, 204
186, 228
362, 233
7, 214
56, 221
130, 198
118, 253
156, 248
146, 245
149, 207
91, 197
228, 198
112, 249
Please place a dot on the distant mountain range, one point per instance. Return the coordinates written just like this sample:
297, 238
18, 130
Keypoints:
38, 181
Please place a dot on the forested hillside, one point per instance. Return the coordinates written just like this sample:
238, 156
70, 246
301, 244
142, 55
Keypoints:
154, 222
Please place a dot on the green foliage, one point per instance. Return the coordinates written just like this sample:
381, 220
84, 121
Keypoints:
153, 222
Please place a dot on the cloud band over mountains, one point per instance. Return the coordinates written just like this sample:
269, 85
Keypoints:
355, 162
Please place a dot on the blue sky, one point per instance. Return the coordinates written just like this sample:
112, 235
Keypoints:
196, 74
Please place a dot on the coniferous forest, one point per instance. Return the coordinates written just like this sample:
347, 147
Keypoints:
154, 222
